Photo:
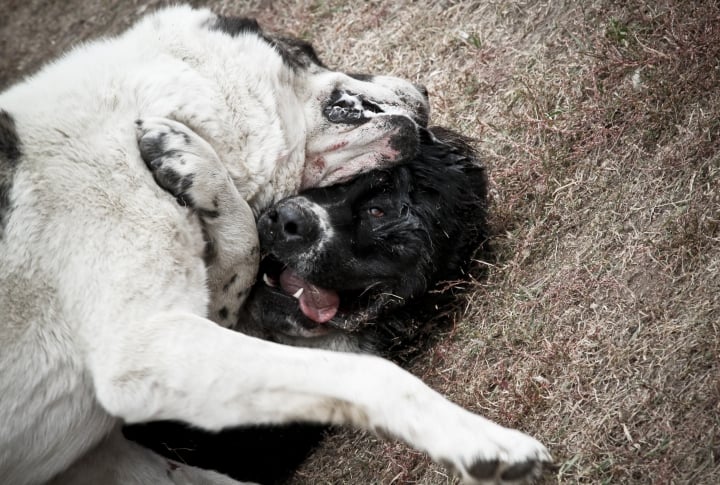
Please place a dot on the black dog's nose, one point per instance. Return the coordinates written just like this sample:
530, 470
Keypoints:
287, 223
291, 222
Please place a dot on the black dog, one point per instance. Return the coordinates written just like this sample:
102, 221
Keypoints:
344, 264
343, 259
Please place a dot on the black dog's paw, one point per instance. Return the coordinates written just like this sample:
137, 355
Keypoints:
182, 163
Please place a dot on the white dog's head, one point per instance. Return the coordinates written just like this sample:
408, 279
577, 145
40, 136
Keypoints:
359, 123
353, 122
356, 122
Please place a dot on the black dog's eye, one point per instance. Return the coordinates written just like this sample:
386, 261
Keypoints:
376, 212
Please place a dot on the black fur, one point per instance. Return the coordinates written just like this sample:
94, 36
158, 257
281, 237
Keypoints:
361, 77
234, 26
296, 53
10, 153
261, 454
155, 153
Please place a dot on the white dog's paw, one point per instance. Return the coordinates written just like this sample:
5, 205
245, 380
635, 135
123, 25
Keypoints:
482, 452
517, 458
520, 462
182, 163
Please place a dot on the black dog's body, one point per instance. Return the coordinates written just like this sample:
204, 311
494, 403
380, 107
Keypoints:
396, 233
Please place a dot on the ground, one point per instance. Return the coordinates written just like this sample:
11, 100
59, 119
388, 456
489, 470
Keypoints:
595, 326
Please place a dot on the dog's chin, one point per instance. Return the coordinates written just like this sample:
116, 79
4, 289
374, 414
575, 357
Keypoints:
278, 315
277, 307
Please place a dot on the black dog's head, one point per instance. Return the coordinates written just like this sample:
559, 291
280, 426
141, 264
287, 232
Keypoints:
341, 257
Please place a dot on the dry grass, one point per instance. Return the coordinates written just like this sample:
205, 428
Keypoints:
596, 327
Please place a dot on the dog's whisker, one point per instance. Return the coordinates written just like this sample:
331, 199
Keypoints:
369, 287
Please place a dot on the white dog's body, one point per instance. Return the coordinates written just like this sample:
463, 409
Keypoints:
104, 286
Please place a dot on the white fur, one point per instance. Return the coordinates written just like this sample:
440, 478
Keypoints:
104, 286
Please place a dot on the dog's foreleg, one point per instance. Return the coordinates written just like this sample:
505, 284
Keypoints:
232, 257
185, 367
185, 165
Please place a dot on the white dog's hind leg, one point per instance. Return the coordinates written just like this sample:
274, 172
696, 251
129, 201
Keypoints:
186, 165
185, 367
118, 461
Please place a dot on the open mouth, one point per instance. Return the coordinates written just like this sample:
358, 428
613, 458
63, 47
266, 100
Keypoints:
322, 307
349, 108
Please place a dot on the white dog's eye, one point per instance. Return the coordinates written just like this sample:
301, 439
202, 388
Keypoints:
376, 212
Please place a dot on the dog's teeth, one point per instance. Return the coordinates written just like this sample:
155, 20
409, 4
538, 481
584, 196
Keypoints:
268, 281
298, 293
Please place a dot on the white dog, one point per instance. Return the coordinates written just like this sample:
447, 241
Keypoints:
107, 282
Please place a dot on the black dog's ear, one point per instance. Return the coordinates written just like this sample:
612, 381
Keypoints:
426, 136
460, 143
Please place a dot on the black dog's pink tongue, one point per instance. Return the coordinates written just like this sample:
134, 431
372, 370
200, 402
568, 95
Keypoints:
318, 304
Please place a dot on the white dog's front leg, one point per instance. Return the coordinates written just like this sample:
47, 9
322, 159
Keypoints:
193, 370
185, 165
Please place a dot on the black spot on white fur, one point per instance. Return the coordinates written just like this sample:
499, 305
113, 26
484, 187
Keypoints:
484, 469
295, 53
9, 140
232, 280
361, 77
210, 250
234, 26
155, 153
9, 157
520, 470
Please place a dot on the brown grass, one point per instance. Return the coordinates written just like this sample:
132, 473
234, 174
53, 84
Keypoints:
596, 328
